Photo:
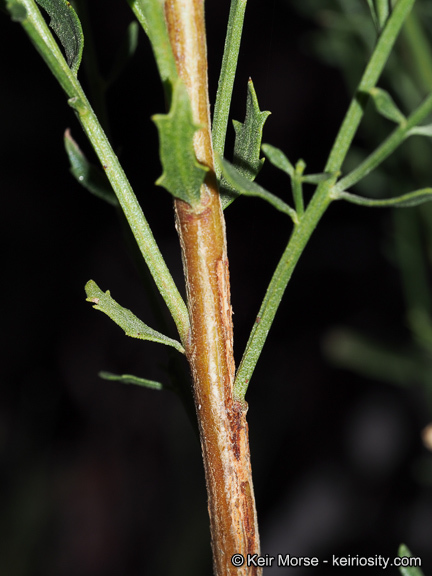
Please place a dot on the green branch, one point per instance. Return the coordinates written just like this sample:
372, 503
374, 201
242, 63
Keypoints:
226, 78
34, 24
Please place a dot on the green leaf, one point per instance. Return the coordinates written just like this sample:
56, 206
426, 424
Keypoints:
182, 173
404, 552
247, 145
380, 11
385, 105
88, 175
130, 379
124, 318
244, 186
67, 27
316, 178
405, 201
278, 159
151, 16
420, 130
125, 52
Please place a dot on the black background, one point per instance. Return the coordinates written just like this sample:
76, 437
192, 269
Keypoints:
100, 479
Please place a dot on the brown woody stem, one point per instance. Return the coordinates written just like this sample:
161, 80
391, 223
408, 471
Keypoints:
222, 421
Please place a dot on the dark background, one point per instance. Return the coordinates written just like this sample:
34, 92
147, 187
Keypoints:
101, 479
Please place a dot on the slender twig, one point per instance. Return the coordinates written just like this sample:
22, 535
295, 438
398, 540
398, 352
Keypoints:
226, 78
320, 200
37, 29
389, 145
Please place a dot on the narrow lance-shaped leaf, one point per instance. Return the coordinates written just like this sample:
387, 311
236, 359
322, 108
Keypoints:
405, 201
130, 379
124, 318
182, 173
244, 186
88, 175
67, 27
247, 146
386, 106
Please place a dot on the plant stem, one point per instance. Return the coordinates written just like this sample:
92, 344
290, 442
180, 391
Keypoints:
35, 26
275, 291
227, 77
222, 421
370, 77
387, 147
320, 201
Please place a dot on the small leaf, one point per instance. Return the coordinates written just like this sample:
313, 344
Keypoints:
151, 16
316, 178
125, 52
380, 11
182, 173
124, 318
247, 145
67, 27
244, 186
90, 177
278, 159
420, 130
385, 105
130, 379
404, 552
405, 201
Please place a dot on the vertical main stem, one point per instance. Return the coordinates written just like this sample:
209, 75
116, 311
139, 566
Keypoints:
222, 420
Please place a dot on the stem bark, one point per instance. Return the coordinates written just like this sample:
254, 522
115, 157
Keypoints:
222, 420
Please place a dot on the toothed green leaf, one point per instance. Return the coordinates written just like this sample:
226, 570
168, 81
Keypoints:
182, 173
130, 379
124, 318
88, 175
67, 27
405, 201
244, 186
247, 145
404, 552
385, 105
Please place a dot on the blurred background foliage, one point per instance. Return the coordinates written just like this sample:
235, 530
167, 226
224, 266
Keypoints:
99, 478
